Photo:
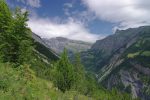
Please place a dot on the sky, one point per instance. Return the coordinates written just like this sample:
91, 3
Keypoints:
86, 20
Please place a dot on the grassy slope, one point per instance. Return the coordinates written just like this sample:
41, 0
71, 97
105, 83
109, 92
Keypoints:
22, 84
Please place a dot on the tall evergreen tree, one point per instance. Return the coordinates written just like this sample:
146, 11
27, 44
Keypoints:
15, 38
79, 73
23, 36
79, 68
65, 76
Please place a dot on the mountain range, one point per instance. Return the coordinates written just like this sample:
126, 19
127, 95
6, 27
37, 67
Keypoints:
120, 60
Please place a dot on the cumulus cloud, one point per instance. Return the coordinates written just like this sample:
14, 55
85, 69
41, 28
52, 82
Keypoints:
32, 3
71, 29
126, 13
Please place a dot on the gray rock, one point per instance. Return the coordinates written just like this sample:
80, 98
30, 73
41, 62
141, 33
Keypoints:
59, 43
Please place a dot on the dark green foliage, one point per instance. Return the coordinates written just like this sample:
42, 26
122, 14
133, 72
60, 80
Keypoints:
5, 29
4, 85
15, 39
65, 76
23, 37
128, 89
91, 84
94, 60
140, 50
80, 76
5, 18
79, 68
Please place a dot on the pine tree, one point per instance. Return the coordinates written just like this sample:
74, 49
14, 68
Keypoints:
79, 73
65, 76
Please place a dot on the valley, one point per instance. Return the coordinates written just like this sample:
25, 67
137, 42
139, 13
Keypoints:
54, 66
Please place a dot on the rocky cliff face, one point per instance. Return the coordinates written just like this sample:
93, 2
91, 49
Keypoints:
116, 41
101, 52
59, 43
122, 61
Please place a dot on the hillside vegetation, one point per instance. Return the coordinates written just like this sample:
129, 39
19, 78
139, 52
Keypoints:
25, 74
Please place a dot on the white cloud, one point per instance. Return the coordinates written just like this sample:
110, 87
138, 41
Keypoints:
126, 13
71, 29
32, 3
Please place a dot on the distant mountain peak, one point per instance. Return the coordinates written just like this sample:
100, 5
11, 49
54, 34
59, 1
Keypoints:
59, 43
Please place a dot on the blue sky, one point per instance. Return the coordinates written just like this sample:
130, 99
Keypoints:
87, 20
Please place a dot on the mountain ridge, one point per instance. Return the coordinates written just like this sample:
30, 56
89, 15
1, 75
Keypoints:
106, 55
59, 43
43, 48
